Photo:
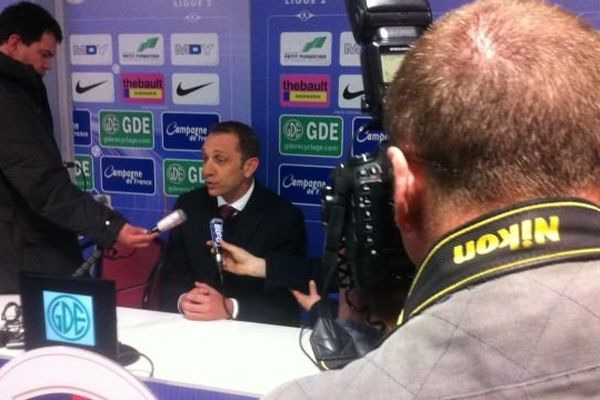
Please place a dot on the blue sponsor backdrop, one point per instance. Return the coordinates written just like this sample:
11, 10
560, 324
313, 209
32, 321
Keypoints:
185, 62
302, 43
189, 63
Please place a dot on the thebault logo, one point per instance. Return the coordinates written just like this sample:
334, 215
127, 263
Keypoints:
143, 88
305, 90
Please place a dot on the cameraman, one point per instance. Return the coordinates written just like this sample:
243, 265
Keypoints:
495, 117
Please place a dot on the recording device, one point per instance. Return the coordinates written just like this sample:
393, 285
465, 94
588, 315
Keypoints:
362, 188
385, 30
172, 220
216, 234
168, 222
357, 206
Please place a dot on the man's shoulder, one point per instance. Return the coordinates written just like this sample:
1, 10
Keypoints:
195, 197
267, 196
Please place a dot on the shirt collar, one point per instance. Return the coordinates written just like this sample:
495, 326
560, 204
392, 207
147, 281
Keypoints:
240, 203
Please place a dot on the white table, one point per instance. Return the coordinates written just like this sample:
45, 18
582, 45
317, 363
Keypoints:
218, 356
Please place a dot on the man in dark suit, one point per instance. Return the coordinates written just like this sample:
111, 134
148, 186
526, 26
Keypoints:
262, 223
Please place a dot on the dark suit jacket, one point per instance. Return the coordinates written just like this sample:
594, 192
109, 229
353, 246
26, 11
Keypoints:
41, 211
268, 226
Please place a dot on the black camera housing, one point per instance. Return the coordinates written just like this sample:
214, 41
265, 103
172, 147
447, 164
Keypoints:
374, 250
385, 30
363, 187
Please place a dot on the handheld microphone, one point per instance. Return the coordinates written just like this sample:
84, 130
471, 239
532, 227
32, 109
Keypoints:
172, 220
216, 233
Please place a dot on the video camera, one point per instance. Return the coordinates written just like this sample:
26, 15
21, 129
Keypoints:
362, 188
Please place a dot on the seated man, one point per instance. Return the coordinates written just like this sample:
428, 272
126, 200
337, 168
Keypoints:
262, 222
494, 117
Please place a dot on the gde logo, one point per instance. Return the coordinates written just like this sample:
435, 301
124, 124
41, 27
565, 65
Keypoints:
69, 318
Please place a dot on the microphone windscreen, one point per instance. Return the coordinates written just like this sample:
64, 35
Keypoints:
177, 217
216, 230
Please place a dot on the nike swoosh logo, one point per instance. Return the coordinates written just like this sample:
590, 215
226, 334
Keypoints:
82, 89
184, 92
348, 95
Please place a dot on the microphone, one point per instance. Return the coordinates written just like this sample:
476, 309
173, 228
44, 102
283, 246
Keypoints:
172, 220
216, 234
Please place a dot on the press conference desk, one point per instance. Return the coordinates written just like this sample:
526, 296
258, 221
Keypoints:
217, 359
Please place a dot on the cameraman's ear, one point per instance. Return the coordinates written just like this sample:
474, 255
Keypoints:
405, 190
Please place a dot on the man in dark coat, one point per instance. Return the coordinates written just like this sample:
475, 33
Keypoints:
263, 223
41, 211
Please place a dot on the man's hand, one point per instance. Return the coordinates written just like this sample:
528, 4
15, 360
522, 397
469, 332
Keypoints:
240, 262
133, 236
204, 303
306, 301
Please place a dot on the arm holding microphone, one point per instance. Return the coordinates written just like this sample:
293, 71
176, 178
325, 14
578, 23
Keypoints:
135, 237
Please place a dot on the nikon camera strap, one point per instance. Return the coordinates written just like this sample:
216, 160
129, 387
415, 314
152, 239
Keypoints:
529, 235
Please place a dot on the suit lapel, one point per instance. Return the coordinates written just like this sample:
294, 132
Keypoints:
251, 217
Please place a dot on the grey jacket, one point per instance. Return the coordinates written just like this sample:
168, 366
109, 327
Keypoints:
529, 334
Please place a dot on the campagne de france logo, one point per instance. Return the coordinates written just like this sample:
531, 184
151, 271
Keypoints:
303, 184
69, 318
82, 127
128, 175
311, 135
366, 140
186, 131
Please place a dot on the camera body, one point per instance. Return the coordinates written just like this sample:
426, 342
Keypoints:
376, 257
385, 30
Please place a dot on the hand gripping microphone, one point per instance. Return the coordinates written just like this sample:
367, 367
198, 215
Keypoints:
216, 234
172, 220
